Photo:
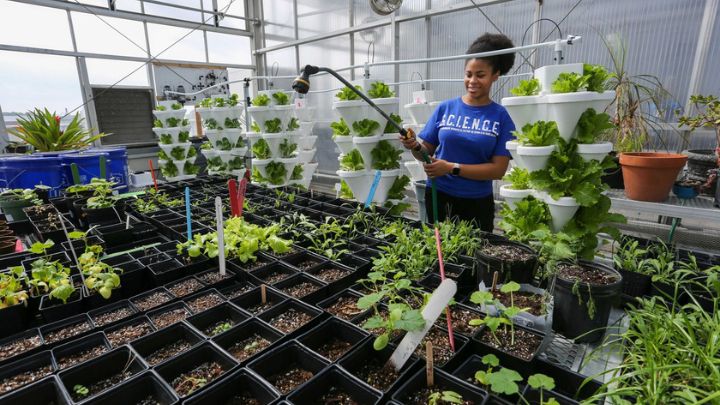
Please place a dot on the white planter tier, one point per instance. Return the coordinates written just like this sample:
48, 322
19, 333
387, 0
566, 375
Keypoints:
261, 165
269, 93
360, 183
419, 113
239, 151
205, 113
594, 151
214, 135
225, 155
305, 128
305, 114
180, 164
344, 143
387, 178
394, 140
512, 196
565, 109
534, 157
252, 137
365, 145
416, 170
358, 110
562, 210
512, 146
546, 75
208, 153
389, 105
308, 171
274, 141
232, 135
289, 166
222, 113
164, 115
306, 156
264, 114
169, 147
181, 177
525, 110
173, 132
307, 142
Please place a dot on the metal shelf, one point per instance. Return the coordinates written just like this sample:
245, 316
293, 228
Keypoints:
699, 208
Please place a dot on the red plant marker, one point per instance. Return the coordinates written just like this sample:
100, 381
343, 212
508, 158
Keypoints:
441, 264
232, 188
241, 195
152, 173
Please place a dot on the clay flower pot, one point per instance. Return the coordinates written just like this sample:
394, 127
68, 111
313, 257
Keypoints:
649, 176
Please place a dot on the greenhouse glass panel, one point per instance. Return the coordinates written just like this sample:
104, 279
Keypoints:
108, 35
40, 27
224, 48
176, 43
106, 72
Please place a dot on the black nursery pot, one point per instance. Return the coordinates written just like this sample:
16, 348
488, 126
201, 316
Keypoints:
519, 271
251, 301
568, 382
53, 309
634, 284
443, 382
507, 359
276, 361
106, 366
14, 319
146, 387
298, 306
147, 345
365, 354
571, 318
532, 396
319, 293
79, 345
466, 372
45, 391
109, 215
29, 364
77, 325
115, 234
241, 385
243, 331
204, 353
30, 336
225, 311
334, 380
329, 330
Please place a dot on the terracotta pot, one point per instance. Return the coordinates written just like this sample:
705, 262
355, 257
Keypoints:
649, 176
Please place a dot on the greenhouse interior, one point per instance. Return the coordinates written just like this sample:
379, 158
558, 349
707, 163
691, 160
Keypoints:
415, 201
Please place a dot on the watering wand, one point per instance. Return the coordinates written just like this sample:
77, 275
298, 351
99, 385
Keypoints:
301, 84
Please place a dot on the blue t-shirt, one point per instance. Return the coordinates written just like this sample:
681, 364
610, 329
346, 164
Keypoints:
467, 134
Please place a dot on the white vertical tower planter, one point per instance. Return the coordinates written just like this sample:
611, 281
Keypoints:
566, 108
561, 210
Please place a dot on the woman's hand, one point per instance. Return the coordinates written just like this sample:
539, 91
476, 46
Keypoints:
409, 142
437, 168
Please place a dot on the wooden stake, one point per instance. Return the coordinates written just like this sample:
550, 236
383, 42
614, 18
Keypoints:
495, 279
263, 294
429, 374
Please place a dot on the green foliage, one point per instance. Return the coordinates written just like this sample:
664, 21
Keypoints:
157, 124
345, 191
190, 168
160, 108
232, 123
297, 173
176, 106
347, 94
518, 178
169, 169
183, 136
365, 127
261, 149
385, 156
219, 102
273, 126
254, 127
569, 83
530, 215
281, 98
293, 124
591, 125
275, 173
261, 100
397, 189
597, 77
340, 128
102, 279
707, 116
380, 90
224, 144
211, 123
389, 127
352, 161
529, 87
205, 103
41, 130
12, 290
81, 390
631, 257
177, 153
19, 194
539, 133
449, 397
287, 148
237, 163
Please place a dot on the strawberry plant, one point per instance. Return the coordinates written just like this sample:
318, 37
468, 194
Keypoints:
529, 87
380, 90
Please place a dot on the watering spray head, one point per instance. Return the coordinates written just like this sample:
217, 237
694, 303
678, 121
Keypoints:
301, 84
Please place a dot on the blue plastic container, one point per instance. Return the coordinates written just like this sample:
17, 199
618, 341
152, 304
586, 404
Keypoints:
29, 171
88, 164
117, 165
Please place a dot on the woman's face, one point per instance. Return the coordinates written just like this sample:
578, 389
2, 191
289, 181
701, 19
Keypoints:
479, 78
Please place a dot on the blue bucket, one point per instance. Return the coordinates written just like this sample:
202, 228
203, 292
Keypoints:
29, 171
88, 164
117, 165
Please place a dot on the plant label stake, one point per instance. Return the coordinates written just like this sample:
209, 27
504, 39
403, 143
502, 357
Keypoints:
75, 173
127, 222
188, 216
72, 249
241, 195
232, 187
373, 188
221, 242
103, 168
263, 294
438, 301
495, 279
429, 360
152, 173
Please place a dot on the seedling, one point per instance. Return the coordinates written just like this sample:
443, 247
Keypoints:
81, 390
221, 328
504, 314
451, 397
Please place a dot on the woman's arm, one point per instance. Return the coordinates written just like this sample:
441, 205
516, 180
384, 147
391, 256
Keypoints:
493, 170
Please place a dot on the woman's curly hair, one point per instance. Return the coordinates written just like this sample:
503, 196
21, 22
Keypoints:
492, 42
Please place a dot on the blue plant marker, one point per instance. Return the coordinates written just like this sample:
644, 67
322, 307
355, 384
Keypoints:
187, 213
371, 194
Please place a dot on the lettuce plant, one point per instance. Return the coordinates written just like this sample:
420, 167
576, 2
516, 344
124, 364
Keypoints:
184, 136
340, 128
224, 144
365, 127
385, 156
190, 168
597, 77
397, 190
192, 152
380, 90
389, 127
219, 102
161, 108
178, 153
169, 170
275, 173
205, 103
261, 149
261, 100
273, 126
570, 83
166, 139
232, 123
352, 162
293, 124
233, 100
211, 123
591, 125
281, 98
345, 191
176, 106
236, 163
287, 148
347, 94
539, 133
518, 178
297, 173
254, 127
157, 124
529, 87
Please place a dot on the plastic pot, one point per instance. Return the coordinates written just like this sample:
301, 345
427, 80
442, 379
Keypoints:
334, 378
265, 275
562, 210
444, 382
146, 386
148, 345
53, 309
156, 314
140, 301
365, 354
279, 360
240, 332
223, 312
520, 272
106, 366
512, 196
594, 151
507, 359
534, 158
115, 234
188, 361
96, 315
45, 391
251, 301
634, 284
113, 332
571, 318
29, 341
329, 330
241, 385
319, 288
14, 319
63, 352
466, 372
525, 110
567, 382
33, 363
352, 295
298, 306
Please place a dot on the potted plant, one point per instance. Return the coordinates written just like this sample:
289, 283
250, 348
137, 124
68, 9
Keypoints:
518, 188
100, 208
41, 129
13, 201
707, 116
13, 300
536, 142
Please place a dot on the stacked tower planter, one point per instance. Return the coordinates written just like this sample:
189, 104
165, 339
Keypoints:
306, 165
563, 110
419, 111
367, 144
177, 154
274, 140
226, 146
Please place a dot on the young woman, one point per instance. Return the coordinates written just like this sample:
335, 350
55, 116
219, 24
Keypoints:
465, 138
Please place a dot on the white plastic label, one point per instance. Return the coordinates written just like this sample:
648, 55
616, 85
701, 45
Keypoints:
438, 301
299, 103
